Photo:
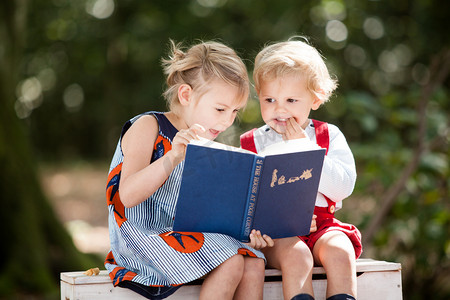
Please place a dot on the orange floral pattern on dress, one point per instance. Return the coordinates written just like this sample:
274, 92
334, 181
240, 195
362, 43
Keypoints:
185, 242
162, 146
246, 252
112, 194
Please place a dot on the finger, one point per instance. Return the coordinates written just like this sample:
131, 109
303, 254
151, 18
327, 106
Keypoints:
297, 130
293, 129
188, 135
313, 224
293, 125
257, 241
251, 243
289, 128
197, 129
262, 241
268, 240
181, 138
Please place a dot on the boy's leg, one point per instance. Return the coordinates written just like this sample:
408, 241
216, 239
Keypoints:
334, 251
293, 257
221, 283
252, 282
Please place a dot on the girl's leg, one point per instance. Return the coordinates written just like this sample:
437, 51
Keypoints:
293, 257
222, 282
252, 282
334, 251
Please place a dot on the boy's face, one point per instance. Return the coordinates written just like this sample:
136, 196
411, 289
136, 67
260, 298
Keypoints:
283, 98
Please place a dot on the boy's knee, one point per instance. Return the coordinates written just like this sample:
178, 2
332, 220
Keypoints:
298, 256
335, 244
338, 255
343, 250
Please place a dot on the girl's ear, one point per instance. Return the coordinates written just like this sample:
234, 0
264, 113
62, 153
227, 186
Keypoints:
184, 94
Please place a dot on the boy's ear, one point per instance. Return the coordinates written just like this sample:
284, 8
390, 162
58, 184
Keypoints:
184, 94
317, 101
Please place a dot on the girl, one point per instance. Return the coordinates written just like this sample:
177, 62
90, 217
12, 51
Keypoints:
207, 85
291, 79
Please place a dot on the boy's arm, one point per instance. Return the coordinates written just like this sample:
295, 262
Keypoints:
339, 171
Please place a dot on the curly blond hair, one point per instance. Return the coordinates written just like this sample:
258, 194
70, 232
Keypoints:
294, 57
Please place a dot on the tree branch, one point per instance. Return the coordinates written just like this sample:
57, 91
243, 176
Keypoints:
439, 70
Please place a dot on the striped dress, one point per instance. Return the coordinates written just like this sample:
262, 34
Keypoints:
144, 249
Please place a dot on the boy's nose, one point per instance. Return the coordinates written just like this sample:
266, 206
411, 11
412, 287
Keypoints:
280, 108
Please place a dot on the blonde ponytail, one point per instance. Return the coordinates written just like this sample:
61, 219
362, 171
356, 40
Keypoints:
199, 65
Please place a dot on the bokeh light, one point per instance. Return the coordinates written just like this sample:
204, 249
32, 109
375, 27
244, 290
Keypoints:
101, 9
373, 28
336, 31
73, 97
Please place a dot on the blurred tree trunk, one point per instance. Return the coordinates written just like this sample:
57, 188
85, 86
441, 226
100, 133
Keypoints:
35, 247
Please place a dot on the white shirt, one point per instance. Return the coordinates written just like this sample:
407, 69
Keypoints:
338, 173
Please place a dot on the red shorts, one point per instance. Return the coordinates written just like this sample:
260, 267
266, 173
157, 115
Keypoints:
327, 222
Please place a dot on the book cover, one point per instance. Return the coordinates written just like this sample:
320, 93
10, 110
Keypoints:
229, 190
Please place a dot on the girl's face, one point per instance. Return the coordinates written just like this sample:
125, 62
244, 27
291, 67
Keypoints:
214, 109
283, 98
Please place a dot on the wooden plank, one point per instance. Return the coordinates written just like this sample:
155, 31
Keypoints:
81, 278
362, 265
376, 280
380, 285
384, 285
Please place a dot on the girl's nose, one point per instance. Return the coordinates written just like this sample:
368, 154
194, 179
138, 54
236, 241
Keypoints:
228, 120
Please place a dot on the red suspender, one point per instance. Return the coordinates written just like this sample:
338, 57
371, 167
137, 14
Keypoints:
323, 140
248, 141
322, 136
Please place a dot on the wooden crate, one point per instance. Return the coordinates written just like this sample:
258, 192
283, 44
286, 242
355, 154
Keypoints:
376, 280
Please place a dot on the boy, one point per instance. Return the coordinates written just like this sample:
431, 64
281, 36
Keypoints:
291, 79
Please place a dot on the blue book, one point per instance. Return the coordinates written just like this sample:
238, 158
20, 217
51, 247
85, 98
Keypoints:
229, 190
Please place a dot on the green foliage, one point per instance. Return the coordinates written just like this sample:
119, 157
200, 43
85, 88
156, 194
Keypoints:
85, 72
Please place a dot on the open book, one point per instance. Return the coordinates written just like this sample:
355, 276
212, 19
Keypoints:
229, 190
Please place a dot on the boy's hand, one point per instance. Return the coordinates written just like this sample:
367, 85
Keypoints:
313, 224
293, 130
258, 241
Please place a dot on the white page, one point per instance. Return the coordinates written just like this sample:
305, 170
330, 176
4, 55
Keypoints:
211, 144
288, 146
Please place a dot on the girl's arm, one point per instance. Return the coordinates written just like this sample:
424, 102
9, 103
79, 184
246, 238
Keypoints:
139, 179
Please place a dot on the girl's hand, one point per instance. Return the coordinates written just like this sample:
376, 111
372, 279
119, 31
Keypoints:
182, 138
313, 224
293, 130
258, 241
